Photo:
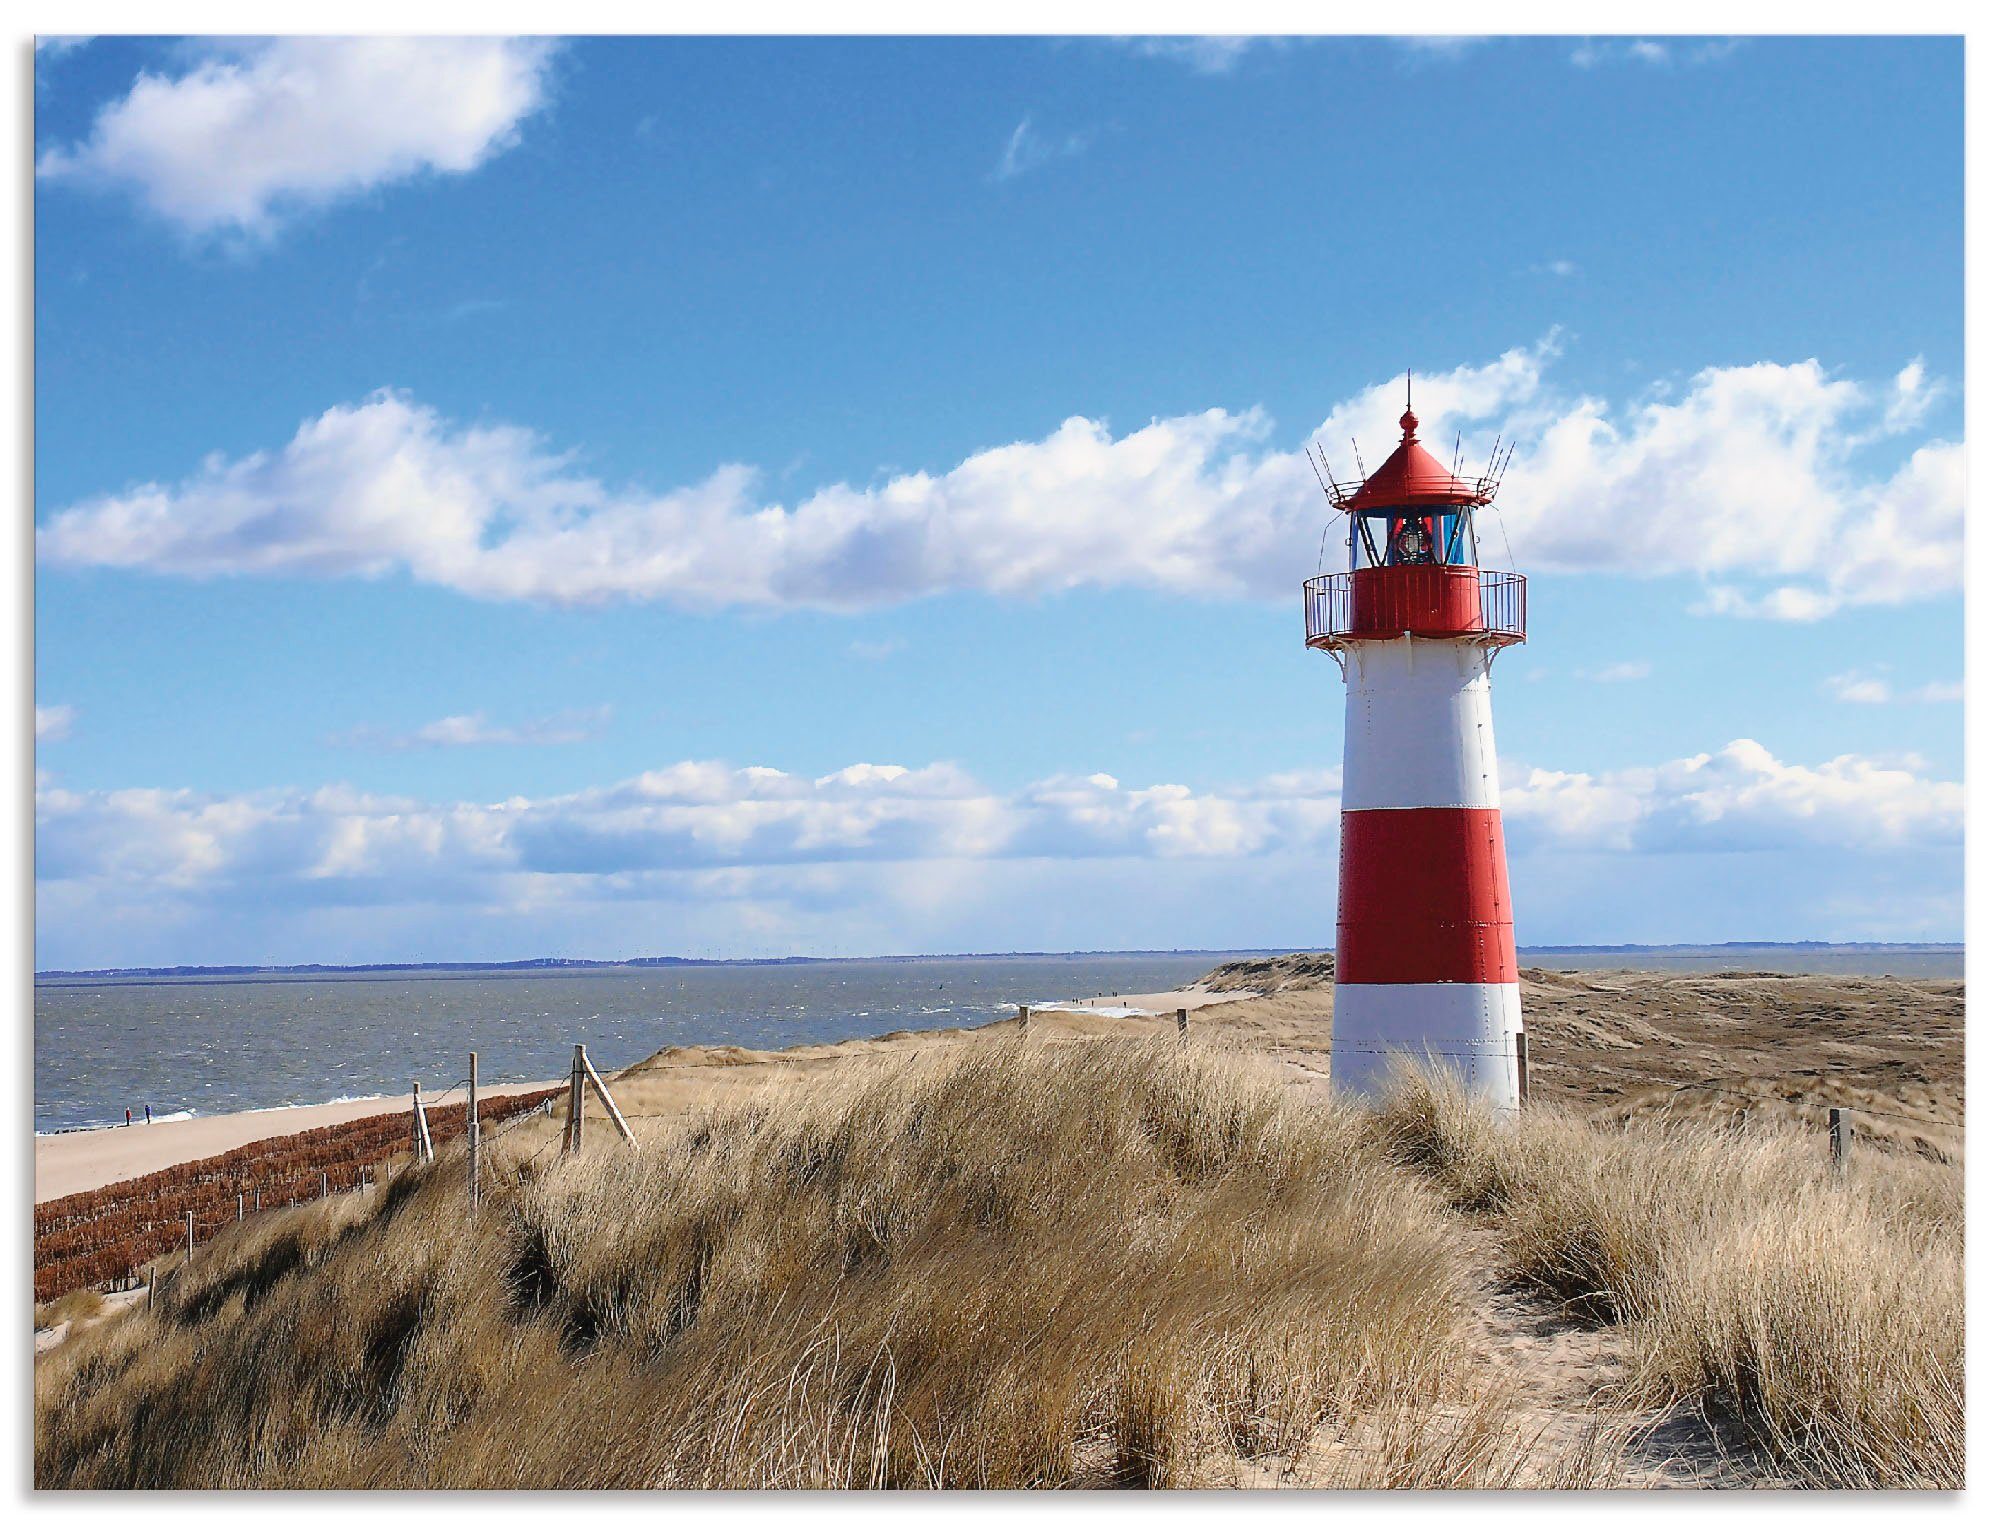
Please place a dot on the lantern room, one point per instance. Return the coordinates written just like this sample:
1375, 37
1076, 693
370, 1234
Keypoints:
1413, 558
1412, 512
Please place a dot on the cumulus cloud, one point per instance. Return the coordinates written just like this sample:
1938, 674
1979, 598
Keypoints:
253, 131
563, 729
645, 836
52, 723
1748, 477
1741, 798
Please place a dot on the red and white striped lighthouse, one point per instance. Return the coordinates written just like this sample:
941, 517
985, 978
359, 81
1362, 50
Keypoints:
1424, 954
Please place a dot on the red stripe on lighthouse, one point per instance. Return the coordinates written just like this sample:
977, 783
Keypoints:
1424, 898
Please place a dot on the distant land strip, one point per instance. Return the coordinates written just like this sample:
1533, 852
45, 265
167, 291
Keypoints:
531, 965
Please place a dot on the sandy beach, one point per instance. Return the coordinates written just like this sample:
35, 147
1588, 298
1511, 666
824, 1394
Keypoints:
82, 1161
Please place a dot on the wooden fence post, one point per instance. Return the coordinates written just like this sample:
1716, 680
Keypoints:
190, 1234
257, 1198
152, 1284
604, 1095
573, 1128
1024, 1014
1840, 1138
1180, 1022
472, 1129
420, 1127
322, 1185
239, 1206
1521, 1067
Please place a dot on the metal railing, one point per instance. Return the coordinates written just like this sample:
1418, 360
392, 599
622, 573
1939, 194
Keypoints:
1330, 612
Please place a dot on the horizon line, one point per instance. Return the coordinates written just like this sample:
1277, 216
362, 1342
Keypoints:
673, 960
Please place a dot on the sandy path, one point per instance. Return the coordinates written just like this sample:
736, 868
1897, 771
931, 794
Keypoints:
1570, 1377
1164, 1003
82, 1161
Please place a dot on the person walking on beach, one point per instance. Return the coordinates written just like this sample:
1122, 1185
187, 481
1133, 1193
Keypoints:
128, 1116
149, 1113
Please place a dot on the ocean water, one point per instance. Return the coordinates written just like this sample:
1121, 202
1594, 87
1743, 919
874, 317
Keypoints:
204, 1045
238, 1042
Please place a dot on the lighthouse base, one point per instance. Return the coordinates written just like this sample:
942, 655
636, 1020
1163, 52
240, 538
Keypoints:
1469, 1028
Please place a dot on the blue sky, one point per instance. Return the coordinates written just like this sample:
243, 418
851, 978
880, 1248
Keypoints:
744, 497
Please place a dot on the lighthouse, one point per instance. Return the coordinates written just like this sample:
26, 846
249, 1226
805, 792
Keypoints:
1424, 949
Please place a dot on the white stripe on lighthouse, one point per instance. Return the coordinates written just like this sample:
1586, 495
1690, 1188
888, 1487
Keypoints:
1419, 727
1466, 1027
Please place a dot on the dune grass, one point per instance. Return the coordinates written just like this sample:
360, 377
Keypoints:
1826, 1317
1018, 1264
75, 1308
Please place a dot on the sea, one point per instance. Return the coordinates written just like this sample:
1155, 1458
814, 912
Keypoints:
201, 1044
204, 1044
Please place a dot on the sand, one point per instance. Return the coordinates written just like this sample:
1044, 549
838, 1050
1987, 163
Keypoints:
83, 1161
1163, 1003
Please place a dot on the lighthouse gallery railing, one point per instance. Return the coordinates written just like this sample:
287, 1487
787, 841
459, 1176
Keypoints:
1330, 609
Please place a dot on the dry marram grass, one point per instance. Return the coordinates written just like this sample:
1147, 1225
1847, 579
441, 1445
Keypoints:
1027, 1263
1013, 1265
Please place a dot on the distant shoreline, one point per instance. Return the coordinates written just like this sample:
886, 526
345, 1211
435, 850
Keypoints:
245, 972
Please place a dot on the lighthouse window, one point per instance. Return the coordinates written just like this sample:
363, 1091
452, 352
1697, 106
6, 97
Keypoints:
1453, 533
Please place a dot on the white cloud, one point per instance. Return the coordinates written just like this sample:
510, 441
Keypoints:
1621, 672
338, 845
1590, 54
1871, 685
1440, 44
705, 857
53, 722
254, 131
1747, 477
563, 729
1858, 687
1915, 391
1204, 55
1028, 149
1739, 799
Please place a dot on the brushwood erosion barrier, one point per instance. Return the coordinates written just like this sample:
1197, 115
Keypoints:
102, 1237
